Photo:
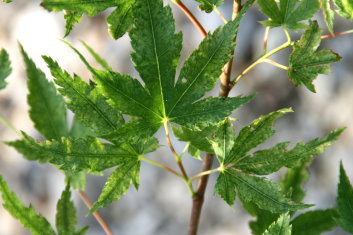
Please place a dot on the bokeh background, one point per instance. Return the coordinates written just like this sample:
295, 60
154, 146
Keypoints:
162, 205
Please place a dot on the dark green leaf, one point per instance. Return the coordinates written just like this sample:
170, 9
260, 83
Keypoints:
71, 18
280, 227
225, 188
35, 223
76, 155
253, 135
209, 5
89, 106
264, 162
65, 218
344, 201
314, 222
77, 180
78, 130
47, 108
287, 15
121, 19
223, 139
305, 63
118, 183
90, 7
5, 67
328, 14
345, 8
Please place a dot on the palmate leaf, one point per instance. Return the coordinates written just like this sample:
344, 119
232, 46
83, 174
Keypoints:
76, 155
287, 14
47, 108
118, 183
265, 162
344, 201
329, 14
5, 68
156, 53
65, 218
89, 106
280, 227
35, 223
209, 5
223, 140
264, 193
71, 18
314, 222
345, 8
121, 19
305, 63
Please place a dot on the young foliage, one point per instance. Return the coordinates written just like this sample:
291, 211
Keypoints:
345, 8
287, 14
305, 63
280, 227
5, 68
71, 18
65, 218
47, 111
121, 19
344, 201
35, 223
314, 222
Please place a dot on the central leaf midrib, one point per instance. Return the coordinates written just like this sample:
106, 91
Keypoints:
157, 59
197, 76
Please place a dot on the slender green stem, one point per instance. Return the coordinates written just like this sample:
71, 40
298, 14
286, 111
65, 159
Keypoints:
206, 173
260, 60
287, 35
274, 63
220, 15
160, 166
9, 125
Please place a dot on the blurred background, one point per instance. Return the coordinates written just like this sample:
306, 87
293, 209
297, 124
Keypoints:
162, 205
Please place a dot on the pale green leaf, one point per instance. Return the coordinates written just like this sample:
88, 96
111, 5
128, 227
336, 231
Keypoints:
5, 67
287, 14
71, 18
65, 218
253, 135
121, 19
329, 14
89, 106
76, 155
223, 140
47, 108
225, 188
77, 180
209, 5
34, 222
90, 7
265, 162
305, 63
314, 222
97, 57
344, 201
194, 152
345, 8
117, 184
280, 227
78, 130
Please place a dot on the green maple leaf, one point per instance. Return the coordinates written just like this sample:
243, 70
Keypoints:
344, 201
76, 155
34, 222
345, 8
305, 63
287, 15
223, 140
5, 68
47, 108
280, 227
71, 18
209, 5
65, 218
121, 19
328, 14
156, 54
314, 222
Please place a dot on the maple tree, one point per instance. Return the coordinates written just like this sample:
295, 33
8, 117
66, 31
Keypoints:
101, 138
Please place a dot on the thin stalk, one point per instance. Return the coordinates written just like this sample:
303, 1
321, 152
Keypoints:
206, 173
160, 166
9, 125
220, 15
96, 215
266, 34
336, 34
191, 17
274, 63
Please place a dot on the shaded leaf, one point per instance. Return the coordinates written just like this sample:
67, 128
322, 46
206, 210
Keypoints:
34, 222
305, 63
47, 108
77, 180
329, 14
345, 8
280, 227
71, 18
65, 218
121, 19
5, 67
344, 201
314, 222
225, 188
